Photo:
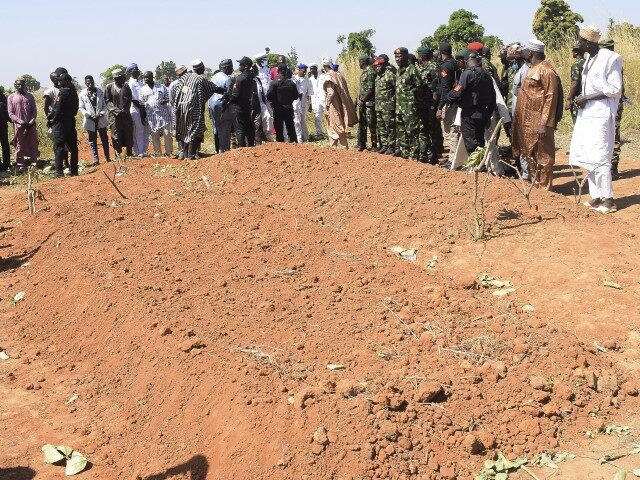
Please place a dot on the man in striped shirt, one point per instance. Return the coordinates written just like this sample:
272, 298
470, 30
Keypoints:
155, 98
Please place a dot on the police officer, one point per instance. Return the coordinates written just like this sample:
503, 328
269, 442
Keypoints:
449, 73
476, 96
408, 91
282, 93
429, 143
63, 126
366, 105
241, 104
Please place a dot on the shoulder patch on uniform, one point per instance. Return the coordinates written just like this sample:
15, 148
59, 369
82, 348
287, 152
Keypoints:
458, 88
444, 73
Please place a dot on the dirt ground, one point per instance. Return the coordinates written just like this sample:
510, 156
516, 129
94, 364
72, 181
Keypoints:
246, 316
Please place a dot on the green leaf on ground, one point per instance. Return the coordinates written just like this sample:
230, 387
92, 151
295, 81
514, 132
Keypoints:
76, 464
52, 454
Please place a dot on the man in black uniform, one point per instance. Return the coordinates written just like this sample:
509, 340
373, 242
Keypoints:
63, 126
282, 92
476, 96
4, 132
241, 104
448, 76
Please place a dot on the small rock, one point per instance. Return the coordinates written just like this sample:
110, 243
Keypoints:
317, 449
488, 440
320, 436
427, 391
332, 437
538, 383
190, 344
563, 391
165, 331
472, 445
528, 309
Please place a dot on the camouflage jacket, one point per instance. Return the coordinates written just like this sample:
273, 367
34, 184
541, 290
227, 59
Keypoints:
490, 68
576, 73
408, 89
429, 74
367, 87
386, 91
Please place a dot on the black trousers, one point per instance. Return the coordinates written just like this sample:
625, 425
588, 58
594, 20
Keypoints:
284, 116
245, 131
472, 127
65, 139
4, 141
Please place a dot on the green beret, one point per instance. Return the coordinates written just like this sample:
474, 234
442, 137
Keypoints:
423, 50
462, 54
363, 58
402, 50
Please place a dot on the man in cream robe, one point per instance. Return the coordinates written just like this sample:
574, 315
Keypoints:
594, 132
340, 111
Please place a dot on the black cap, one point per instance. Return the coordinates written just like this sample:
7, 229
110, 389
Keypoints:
282, 68
445, 48
64, 77
60, 70
486, 51
245, 61
226, 63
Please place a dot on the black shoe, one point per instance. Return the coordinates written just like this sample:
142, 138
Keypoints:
397, 153
58, 175
362, 149
383, 150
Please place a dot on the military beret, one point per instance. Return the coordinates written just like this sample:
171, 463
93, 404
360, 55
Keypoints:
462, 54
401, 51
475, 46
363, 58
378, 61
384, 56
608, 43
246, 61
423, 50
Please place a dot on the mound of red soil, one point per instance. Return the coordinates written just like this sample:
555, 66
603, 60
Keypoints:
244, 317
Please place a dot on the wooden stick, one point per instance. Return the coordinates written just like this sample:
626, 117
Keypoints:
113, 182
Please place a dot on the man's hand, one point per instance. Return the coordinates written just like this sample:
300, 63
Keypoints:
439, 114
580, 101
567, 104
542, 132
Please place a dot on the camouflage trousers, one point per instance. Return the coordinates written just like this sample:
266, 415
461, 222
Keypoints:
367, 120
431, 139
408, 133
615, 159
386, 128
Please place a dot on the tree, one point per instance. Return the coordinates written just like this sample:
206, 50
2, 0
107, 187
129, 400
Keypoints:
30, 83
493, 42
459, 31
622, 29
293, 56
554, 21
166, 69
357, 43
107, 75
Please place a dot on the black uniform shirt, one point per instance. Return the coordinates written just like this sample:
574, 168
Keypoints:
65, 107
474, 91
448, 74
282, 93
241, 91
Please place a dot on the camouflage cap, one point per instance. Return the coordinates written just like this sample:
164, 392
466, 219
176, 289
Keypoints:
607, 43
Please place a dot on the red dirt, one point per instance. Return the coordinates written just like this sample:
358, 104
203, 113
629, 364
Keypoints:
196, 324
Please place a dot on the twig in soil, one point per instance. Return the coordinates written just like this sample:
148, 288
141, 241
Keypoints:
113, 181
581, 183
256, 352
206, 182
396, 316
31, 193
524, 189
529, 472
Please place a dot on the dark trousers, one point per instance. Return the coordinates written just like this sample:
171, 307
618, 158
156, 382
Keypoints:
245, 131
65, 139
472, 127
93, 143
283, 116
367, 120
4, 141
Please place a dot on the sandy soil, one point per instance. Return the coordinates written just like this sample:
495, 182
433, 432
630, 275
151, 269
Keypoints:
255, 323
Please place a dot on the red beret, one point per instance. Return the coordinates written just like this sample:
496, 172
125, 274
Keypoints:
378, 61
475, 46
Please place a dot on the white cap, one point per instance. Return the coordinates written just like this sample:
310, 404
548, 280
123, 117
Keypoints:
327, 61
313, 65
534, 45
197, 62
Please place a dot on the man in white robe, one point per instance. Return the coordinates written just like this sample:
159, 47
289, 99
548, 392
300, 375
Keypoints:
300, 106
594, 132
317, 98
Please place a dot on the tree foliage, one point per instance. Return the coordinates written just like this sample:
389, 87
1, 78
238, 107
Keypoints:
554, 21
493, 42
622, 29
165, 69
293, 56
460, 30
30, 83
107, 75
357, 43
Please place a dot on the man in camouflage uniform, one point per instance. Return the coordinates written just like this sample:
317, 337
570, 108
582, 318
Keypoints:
385, 106
366, 105
615, 159
575, 88
408, 91
429, 149
488, 66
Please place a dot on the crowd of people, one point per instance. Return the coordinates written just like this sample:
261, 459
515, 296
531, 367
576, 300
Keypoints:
431, 106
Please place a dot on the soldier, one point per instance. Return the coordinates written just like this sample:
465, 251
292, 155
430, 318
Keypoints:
63, 121
385, 57
366, 105
385, 102
575, 88
615, 159
488, 65
408, 90
429, 147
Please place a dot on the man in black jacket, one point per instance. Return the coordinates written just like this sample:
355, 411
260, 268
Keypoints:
4, 133
63, 126
282, 93
449, 73
241, 104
